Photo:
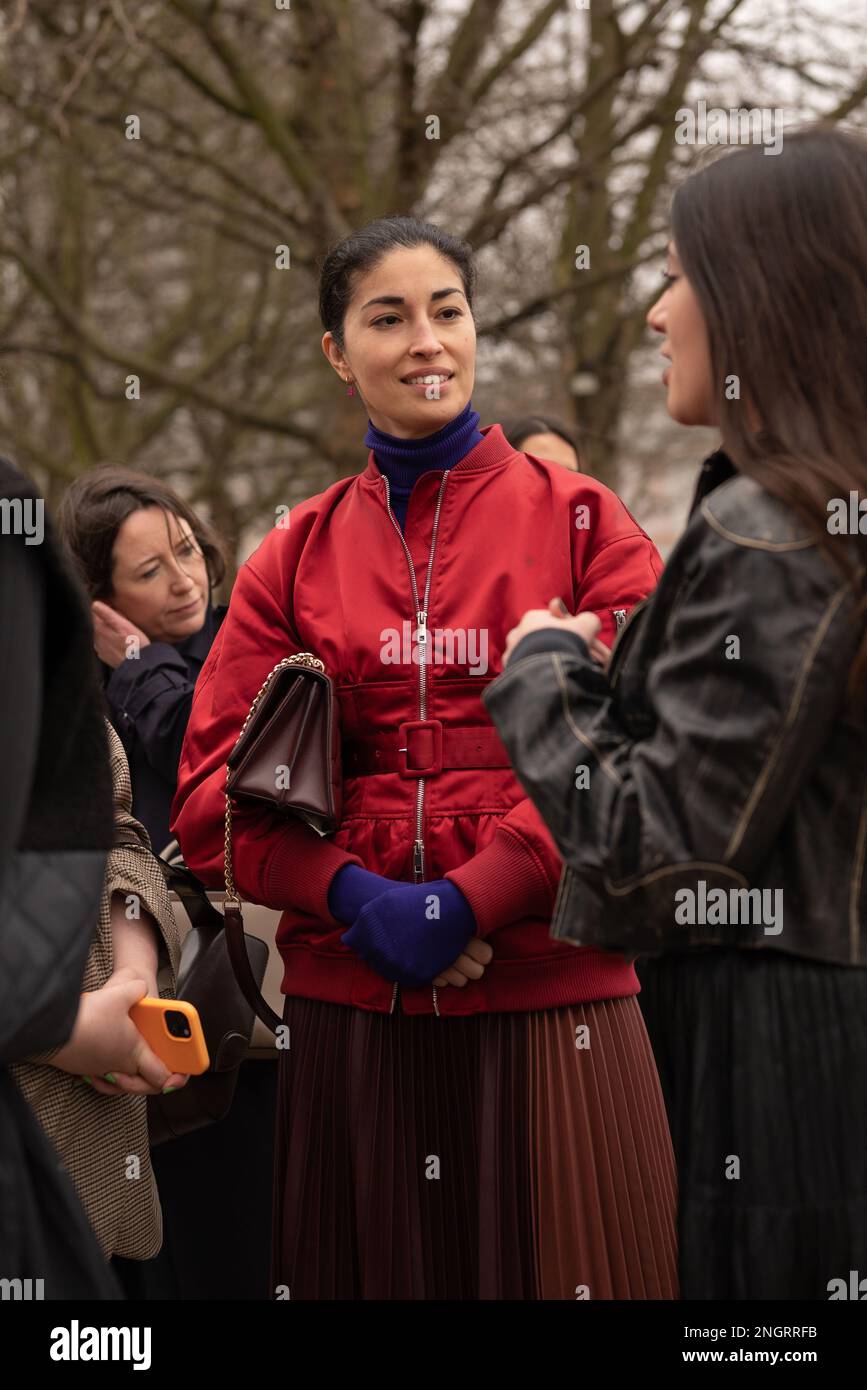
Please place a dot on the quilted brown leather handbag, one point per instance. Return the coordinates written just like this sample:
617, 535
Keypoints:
287, 755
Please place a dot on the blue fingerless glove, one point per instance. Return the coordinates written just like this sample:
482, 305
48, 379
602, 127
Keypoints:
412, 932
352, 888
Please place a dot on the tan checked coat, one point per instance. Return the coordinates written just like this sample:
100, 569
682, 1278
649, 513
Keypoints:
103, 1140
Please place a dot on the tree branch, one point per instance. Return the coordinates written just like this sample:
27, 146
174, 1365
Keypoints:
143, 366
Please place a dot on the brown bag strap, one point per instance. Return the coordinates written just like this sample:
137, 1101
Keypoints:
235, 938
241, 965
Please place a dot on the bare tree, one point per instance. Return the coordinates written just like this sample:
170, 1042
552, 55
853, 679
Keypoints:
173, 172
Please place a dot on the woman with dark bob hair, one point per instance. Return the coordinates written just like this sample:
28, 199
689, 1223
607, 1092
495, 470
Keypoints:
467, 1109
724, 825
543, 437
149, 564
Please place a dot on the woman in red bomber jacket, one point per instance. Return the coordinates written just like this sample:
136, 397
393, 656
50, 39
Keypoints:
468, 1109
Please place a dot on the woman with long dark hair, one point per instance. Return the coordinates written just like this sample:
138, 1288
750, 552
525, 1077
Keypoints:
724, 821
467, 1109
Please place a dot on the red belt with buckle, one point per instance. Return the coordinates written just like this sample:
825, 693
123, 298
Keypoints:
423, 748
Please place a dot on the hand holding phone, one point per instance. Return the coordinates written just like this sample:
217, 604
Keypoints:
173, 1030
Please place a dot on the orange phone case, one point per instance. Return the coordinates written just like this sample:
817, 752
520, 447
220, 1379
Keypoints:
186, 1054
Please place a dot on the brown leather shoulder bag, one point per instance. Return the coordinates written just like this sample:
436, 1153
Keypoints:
287, 755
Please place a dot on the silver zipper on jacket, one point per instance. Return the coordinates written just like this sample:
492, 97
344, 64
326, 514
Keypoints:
423, 638
618, 648
421, 613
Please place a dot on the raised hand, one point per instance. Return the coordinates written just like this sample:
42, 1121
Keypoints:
110, 632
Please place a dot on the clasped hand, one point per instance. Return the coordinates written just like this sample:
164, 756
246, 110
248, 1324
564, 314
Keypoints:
413, 933
585, 625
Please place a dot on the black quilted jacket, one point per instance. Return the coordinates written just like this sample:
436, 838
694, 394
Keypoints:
56, 827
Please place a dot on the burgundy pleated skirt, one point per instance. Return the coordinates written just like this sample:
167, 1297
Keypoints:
483, 1157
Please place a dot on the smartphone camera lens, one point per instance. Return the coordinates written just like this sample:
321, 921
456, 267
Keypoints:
177, 1024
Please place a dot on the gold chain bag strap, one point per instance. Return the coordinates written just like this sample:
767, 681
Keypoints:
287, 756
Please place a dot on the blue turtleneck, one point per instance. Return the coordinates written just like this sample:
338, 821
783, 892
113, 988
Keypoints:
404, 460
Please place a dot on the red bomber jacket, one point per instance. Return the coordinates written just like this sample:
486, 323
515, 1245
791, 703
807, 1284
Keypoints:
411, 628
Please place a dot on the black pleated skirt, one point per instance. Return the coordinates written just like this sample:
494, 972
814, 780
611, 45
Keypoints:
461, 1158
763, 1062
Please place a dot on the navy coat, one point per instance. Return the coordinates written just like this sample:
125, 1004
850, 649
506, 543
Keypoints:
149, 705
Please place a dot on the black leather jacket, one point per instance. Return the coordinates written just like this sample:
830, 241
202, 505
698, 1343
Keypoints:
718, 754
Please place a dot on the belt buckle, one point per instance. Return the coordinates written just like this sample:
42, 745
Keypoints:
408, 733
